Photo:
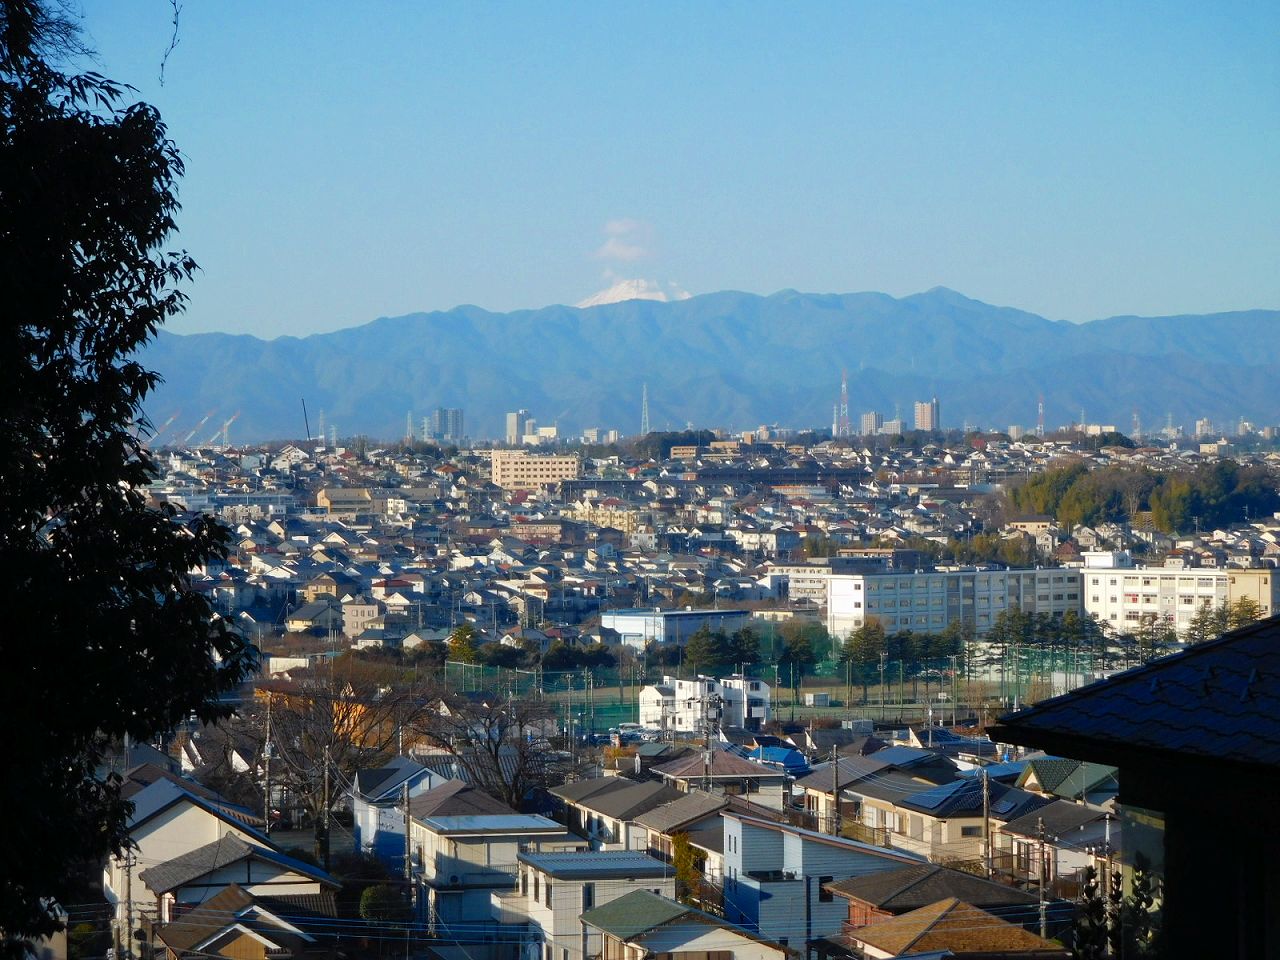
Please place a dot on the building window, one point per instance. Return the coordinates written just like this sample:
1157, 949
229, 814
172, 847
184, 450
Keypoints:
588, 896
536, 894
546, 889
824, 895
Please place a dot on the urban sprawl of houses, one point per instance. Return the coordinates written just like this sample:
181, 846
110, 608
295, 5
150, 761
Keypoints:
692, 816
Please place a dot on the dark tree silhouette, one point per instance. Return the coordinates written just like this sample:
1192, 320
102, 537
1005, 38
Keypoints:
108, 638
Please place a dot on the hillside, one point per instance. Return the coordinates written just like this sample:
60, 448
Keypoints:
726, 359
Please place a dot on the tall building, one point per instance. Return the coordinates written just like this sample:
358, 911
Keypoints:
515, 425
928, 415
446, 424
871, 424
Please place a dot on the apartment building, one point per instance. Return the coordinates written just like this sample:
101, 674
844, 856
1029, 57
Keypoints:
928, 415
688, 705
928, 601
1125, 596
520, 470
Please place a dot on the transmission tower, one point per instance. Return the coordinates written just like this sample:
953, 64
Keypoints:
644, 411
843, 427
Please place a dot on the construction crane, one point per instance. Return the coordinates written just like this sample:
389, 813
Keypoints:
222, 431
163, 427
187, 439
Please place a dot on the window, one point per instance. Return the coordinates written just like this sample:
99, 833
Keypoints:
970, 831
524, 884
536, 894
588, 896
546, 889
824, 895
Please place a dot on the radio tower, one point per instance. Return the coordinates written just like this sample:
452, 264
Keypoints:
843, 428
408, 427
1137, 425
644, 411
1040, 418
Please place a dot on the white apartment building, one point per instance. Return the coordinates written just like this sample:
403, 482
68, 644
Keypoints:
1125, 596
925, 602
685, 706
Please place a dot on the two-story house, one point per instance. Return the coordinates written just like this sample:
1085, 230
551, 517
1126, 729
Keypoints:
776, 876
556, 889
463, 847
603, 810
377, 806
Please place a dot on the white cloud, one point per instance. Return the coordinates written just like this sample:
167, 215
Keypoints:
626, 241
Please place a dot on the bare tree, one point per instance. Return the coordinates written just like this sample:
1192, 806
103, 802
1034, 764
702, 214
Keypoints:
340, 718
501, 743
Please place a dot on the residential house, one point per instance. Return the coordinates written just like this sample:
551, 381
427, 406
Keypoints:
237, 925
643, 925
949, 821
192, 878
555, 889
776, 874
878, 896
168, 821
1053, 844
1075, 780
951, 928
725, 772
377, 806
460, 858
604, 809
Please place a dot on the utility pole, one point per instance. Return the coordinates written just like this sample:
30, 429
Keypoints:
1044, 904
836, 825
266, 764
883, 657
986, 820
128, 902
324, 813
408, 862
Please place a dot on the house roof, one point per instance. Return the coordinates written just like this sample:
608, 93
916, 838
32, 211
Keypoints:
634, 913
481, 824
631, 800
954, 925
378, 783
163, 794
453, 798
1217, 703
915, 886
1060, 818
688, 808
229, 849
723, 764
597, 865
580, 790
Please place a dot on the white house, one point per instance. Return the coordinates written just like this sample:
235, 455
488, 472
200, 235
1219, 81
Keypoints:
555, 889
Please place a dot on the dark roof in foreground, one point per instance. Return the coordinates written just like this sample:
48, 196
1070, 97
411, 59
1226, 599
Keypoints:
954, 925
910, 888
1218, 703
631, 915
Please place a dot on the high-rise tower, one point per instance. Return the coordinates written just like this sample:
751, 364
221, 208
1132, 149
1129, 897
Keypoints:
644, 410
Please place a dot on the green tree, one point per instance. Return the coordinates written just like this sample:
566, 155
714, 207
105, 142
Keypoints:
462, 644
862, 648
744, 647
1243, 612
1089, 940
706, 648
689, 876
383, 904
126, 646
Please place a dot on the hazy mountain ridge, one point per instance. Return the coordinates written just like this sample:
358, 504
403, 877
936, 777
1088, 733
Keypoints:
730, 359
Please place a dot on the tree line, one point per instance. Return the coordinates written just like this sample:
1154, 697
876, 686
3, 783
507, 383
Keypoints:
1211, 495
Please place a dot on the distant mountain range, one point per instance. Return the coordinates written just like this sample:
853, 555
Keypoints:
725, 359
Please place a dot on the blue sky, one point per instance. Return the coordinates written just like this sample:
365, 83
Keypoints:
347, 161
